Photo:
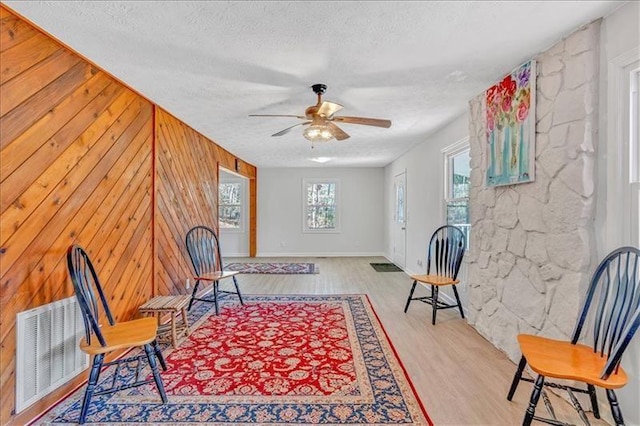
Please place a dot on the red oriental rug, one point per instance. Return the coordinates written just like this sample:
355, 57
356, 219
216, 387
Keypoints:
276, 360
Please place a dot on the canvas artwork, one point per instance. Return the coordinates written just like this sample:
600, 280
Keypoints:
510, 115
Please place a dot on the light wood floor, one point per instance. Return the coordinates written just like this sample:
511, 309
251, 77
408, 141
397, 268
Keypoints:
461, 378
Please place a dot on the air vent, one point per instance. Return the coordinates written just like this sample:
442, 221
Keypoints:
47, 349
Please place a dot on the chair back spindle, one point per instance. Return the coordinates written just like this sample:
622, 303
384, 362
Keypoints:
614, 297
91, 298
204, 250
446, 250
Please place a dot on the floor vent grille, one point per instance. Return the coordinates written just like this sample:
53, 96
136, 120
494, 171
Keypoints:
47, 349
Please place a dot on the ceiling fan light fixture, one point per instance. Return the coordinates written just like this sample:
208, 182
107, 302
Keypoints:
318, 132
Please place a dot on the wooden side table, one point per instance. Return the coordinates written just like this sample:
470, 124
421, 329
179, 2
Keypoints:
160, 305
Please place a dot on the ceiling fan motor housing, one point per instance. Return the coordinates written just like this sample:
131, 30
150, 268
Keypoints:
319, 88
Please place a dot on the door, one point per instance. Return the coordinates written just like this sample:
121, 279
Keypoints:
400, 219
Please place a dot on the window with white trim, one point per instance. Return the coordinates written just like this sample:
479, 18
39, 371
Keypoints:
321, 206
231, 206
457, 178
634, 154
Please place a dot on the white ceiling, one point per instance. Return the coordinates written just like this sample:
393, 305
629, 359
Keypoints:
213, 63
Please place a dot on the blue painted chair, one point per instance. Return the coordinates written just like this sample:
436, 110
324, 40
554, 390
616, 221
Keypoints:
104, 335
608, 320
444, 258
204, 250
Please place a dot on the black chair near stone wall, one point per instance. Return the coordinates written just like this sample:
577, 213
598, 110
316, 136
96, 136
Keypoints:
606, 324
444, 258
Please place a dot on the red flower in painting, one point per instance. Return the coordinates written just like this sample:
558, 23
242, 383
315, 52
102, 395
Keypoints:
508, 89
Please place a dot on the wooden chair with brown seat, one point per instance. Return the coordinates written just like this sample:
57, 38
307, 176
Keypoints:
204, 250
609, 318
444, 257
103, 335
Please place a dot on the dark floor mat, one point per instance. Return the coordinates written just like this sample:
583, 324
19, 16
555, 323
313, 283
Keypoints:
385, 267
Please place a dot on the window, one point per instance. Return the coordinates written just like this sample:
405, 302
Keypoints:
634, 153
457, 184
230, 206
320, 210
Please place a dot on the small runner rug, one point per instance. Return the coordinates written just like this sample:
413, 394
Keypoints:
276, 360
273, 268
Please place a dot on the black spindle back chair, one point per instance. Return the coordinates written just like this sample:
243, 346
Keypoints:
203, 247
102, 338
444, 257
608, 320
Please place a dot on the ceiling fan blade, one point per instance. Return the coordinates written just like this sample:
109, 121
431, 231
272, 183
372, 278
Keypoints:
277, 115
338, 133
366, 121
282, 132
327, 109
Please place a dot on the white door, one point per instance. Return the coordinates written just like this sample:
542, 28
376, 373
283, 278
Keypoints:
400, 219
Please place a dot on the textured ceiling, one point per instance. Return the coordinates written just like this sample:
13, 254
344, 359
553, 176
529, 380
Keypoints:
213, 63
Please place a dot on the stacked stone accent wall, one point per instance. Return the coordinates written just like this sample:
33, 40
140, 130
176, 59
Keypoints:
532, 247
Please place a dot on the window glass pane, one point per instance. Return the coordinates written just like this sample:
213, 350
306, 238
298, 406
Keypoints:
230, 217
321, 209
230, 193
321, 217
400, 204
230, 205
461, 175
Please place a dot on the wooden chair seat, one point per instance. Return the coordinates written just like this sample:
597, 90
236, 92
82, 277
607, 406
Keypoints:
438, 280
215, 276
123, 335
562, 360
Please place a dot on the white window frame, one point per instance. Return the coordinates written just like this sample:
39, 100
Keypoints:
314, 181
623, 203
243, 205
449, 152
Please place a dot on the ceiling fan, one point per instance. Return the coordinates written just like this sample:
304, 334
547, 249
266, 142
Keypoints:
321, 120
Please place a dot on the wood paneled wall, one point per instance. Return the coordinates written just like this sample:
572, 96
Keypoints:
187, 195
84, 159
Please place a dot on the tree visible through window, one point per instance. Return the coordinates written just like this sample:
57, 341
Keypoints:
321, 206
457, 189
230, 205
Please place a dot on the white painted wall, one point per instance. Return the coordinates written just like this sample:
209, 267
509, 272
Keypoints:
280, 213
424, 165
620, 42
236, 243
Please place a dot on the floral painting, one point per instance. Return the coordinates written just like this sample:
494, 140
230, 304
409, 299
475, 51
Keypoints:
510, 106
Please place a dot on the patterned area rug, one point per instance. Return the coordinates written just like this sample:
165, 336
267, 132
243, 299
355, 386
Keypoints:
273, 268
276, 360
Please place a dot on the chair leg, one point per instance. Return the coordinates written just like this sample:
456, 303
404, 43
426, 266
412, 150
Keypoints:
594, 401
535, 396
215, 295
91, 386
615, 407
156, 349
434, 303
193, 294
516, 378
151, 356
455, 291
413, 288
235, 282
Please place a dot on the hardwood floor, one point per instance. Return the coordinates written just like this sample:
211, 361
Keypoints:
461, 378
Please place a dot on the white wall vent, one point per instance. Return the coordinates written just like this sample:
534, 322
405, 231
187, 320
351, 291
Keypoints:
47, 349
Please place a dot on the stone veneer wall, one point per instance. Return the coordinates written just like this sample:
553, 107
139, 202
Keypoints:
532, 249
